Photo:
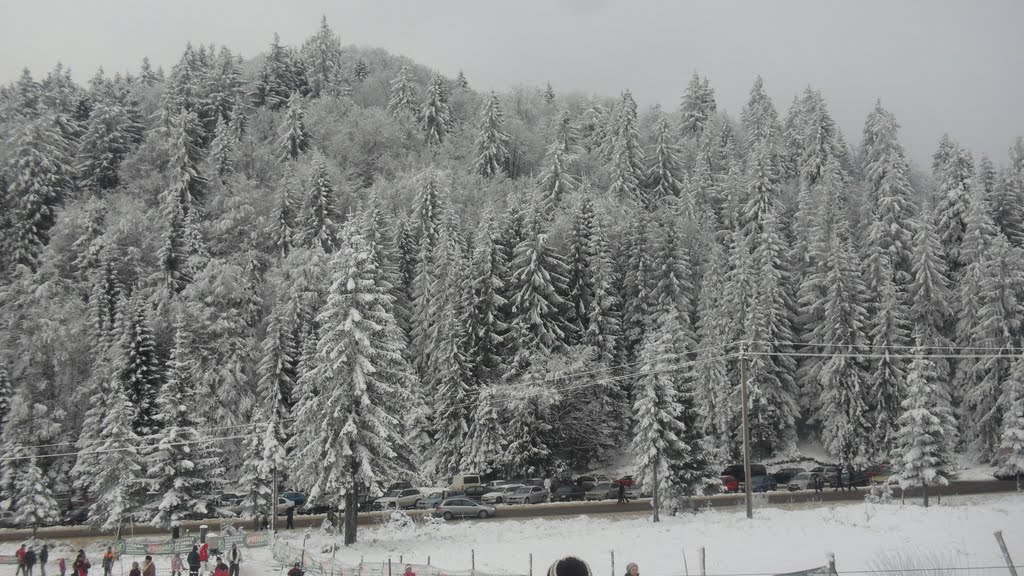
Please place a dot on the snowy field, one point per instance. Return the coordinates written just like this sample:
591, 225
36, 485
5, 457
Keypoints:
956, 534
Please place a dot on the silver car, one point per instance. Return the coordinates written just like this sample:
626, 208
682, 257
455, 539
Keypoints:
802, 481
464, 508
527, 495
500, 494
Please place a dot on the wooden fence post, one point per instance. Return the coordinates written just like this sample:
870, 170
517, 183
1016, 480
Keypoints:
1006, 553
700, 558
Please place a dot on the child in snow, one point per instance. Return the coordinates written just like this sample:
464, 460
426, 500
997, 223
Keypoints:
62, 566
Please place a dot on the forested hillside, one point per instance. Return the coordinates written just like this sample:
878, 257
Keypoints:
337, 266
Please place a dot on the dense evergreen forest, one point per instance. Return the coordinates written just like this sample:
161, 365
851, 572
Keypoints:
336, 267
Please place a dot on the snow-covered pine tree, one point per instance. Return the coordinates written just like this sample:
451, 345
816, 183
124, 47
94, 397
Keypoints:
667, 441
223, 148
579, 281
460, 81
318, 226
1010, 457
188, 186
322, 54
954, 171
35, 504
697, 107
266, 460
486, 439
139, 372
556, 181
539, 280
487, 332
603, 317
923, 443
774, 395
283, 232
350, 435
761, 124
890, 339
182, 464
118, 481
402, 101
664, 166
929, 293
625, 153
998, 321
635, 266
437, 117
360, 70
843, 410
491, 142
103, 147
887, 175
6, 394
282, 74
429, 212
39, 178
712, 389
670, 282
294, 138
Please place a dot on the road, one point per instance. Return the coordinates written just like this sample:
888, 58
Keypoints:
963, 488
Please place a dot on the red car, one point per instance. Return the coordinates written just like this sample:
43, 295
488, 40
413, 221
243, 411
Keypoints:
730, 484
626, 481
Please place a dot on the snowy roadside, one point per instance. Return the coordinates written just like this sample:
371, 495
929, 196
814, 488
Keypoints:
958, 533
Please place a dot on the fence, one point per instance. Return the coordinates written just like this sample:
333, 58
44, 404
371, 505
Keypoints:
184, 544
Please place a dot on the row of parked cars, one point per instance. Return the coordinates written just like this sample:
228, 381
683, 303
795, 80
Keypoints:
794, 479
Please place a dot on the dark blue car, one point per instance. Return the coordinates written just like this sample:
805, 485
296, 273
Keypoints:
298, 497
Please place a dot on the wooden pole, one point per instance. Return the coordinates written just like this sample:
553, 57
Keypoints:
700, 559
746, 430
389, 565
1006, 552
531, 564
613, 562
472, 559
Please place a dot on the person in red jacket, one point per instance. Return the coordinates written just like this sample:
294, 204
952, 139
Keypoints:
221, 569
21, 560
204, 556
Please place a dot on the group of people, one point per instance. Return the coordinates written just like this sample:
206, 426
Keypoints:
197, 562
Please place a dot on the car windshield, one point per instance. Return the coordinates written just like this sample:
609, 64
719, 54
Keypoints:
603, 486
393, 494
509, 488
802, 476
434, 495
523, 490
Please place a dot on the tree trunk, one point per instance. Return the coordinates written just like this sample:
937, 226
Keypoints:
657, 500
924, 488
351, 511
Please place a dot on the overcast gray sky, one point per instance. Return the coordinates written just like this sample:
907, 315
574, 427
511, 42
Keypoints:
940, 66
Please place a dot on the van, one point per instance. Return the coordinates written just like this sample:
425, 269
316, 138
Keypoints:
463, 481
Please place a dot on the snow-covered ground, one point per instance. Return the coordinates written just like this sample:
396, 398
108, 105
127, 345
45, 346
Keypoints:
956, 534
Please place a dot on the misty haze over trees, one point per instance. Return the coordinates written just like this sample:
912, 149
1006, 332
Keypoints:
336, 267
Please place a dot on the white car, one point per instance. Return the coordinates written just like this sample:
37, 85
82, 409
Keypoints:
528, 495
500, 494
398, 499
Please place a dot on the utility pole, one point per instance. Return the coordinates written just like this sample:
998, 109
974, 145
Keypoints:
746, 430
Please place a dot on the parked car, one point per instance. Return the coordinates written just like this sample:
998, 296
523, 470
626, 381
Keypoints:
730, 484
569, 493
587, 481
736, 471
859, 478
500, 494
283, 504
476, 492
783, 476
603, 491
528, 495
229, 508
464, 508
399, 499
626, 481
802, 481
497, 483
298, 497
637, 491
364, 502
762, 483
400, 485
75, 516
434, 499
534, 482
828, 475
7, 519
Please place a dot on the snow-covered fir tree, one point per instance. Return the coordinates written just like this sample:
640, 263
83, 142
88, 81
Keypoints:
1010, 457
890, 340
403, 98
36, 506
360, 70
486, 338
103, 147
625, 153
323, 58
139, 372
118, 481
349, 435
954, 171
183, 466
485, 441
294, 138
492, 141
923, 442
556, 181
664, 167
603, 317
697, 107
223, 149
436, 115
667, 440
538, 307
318, 214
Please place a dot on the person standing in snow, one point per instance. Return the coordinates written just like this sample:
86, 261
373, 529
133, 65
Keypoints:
849, 477
296, 570
148, 568
30, 560
221, 569
632, 569
622, 494
176, 564
234, 558
193, 561
44, 555
204, 557
408, 571
289, 520
108, 562
547, 484
21, 560
839, 478
81, 564
62, 565
135, 570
